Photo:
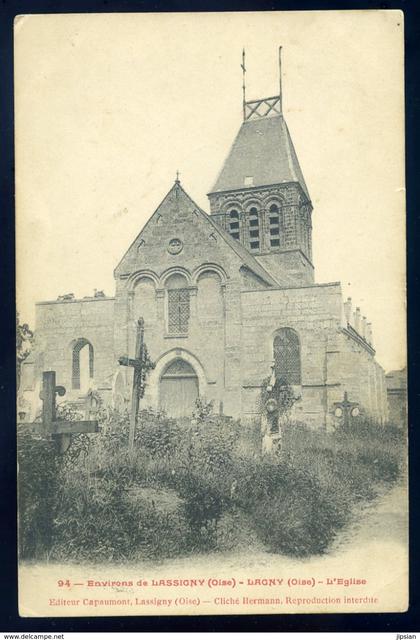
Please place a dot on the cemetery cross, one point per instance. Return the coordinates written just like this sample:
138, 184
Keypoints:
61, 430
346, 409
141, 364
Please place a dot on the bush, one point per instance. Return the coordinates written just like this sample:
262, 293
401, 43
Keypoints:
38, 487
98, 521
197, 485
195, 460
292, 512
302, 498
157, 435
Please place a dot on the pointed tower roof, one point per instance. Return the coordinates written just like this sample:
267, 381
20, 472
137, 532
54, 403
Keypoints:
262, 154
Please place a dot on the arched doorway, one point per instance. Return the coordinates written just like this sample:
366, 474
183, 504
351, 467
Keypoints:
178, 389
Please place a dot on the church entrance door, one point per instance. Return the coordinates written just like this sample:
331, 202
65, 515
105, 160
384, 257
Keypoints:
178, 389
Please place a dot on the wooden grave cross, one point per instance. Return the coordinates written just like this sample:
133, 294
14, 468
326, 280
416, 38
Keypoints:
346, 409
137, 364
62, 430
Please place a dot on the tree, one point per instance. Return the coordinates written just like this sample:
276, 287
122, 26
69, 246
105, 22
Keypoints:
24, 342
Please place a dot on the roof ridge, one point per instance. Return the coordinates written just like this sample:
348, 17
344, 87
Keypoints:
240, 250
300, 177
148, 221
247, 258
288, 152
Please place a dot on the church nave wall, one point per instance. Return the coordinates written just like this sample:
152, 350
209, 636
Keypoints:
332, 360
63, 329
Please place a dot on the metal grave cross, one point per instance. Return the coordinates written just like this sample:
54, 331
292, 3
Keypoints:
62, 430
346, 409
137, 364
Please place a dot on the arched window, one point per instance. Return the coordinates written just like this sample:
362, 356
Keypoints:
286, 348
82, 364
178, 304
234, 223
144, 301
254, 228
274, 225
209, 299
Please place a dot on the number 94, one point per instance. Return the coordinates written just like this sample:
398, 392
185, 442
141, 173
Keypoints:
63, 583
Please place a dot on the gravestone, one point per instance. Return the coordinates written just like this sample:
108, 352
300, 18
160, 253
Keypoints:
60, 430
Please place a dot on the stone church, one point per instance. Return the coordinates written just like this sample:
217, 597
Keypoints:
227, 297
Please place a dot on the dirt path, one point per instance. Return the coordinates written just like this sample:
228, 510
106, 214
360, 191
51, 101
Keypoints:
381, 522
385, 519
373, 549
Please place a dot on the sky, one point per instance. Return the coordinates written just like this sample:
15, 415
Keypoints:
109, 106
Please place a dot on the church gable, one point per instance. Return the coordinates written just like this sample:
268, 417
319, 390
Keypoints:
180, 234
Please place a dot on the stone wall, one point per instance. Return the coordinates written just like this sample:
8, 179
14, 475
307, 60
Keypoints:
333, 360
291, 261
288, 267
211, 345
314, 312
59, 324
396, 386
354, 366
229, 342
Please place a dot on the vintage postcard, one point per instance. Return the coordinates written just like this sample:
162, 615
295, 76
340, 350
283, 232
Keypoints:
211, 313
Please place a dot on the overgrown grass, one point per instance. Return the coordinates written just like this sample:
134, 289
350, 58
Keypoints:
197, 486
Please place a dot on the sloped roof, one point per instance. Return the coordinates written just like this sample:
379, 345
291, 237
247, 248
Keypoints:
263, 150
247, 258
177, 200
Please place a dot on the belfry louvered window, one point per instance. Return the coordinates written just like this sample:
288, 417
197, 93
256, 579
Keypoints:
254, 228
234, 223
286, 349
178, 304
274, 225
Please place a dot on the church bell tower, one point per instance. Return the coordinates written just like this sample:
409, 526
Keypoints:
260, 196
